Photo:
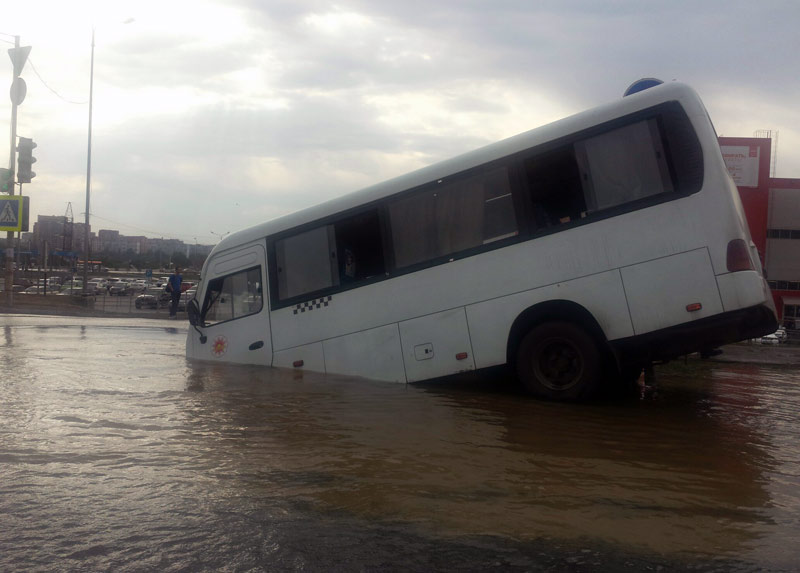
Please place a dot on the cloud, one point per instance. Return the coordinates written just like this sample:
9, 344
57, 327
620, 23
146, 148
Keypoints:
214, 114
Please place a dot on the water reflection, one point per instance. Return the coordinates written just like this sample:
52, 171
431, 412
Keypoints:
112, 443
667, 474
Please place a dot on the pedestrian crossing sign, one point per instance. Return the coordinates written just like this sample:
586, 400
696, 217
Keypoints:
14, 213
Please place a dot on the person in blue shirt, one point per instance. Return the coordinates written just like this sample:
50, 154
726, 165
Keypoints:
174, 288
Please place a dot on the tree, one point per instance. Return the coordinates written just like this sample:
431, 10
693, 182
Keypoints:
180, 260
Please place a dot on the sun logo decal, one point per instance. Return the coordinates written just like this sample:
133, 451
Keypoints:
220, 346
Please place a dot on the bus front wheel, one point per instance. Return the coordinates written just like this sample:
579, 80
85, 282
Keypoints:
560, 361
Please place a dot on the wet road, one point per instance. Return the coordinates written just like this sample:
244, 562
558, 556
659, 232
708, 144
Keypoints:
116, 454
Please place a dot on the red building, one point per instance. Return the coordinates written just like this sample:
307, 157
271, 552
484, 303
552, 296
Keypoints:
772, 206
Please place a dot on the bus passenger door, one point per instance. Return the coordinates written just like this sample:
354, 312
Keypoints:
234, 308
436, 345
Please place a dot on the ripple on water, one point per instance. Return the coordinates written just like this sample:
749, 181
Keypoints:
133, 458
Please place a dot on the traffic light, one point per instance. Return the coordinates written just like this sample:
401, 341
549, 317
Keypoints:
6, 180
25, 160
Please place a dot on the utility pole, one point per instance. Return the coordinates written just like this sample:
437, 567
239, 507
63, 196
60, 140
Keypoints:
88, 176
18, 57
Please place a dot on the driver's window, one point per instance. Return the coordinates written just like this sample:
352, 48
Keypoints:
233, 296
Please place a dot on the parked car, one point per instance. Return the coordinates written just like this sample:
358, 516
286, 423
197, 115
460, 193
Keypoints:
770, 339
781, 334
146, 301
120, 288
71, 288
186, 296
95, 286
154, 290
53, 286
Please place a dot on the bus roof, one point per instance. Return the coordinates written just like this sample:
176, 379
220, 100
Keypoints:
674, 91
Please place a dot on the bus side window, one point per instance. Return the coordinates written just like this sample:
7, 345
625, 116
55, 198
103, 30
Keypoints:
306, 262
345, 251
556, 192
624, 164
359, 247
448, 217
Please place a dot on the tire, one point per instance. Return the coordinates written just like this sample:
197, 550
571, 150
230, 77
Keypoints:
559, 361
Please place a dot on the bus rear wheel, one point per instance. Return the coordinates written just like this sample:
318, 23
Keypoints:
559, 361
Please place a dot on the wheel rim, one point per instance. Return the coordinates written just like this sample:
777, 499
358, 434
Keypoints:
558, 365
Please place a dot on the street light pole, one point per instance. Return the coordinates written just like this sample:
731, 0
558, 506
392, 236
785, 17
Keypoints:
88, 175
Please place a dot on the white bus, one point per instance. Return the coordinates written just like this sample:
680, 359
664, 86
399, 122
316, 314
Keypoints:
577, 253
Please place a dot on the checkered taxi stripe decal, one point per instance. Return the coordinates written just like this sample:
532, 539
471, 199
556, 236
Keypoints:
312, 304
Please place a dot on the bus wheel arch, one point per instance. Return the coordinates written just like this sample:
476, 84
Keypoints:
558, 351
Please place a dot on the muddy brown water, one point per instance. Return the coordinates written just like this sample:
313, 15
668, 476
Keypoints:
116, 453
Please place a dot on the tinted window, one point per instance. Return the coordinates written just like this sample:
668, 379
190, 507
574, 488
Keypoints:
452, 216
306, 262
359, 249
622, 165
554, 183
346, 251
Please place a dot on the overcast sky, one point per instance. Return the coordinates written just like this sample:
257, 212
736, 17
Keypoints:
214, 115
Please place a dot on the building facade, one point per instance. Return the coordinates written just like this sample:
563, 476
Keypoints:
772, 206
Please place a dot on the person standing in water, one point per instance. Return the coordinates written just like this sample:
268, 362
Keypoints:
174, 288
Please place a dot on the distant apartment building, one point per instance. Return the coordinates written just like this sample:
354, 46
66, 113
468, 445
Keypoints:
53, 233
166, 246
79, 237
107, 237
58, 236
198, 250
137, 245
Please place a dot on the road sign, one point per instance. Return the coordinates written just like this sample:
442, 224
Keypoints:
18, 57
19, 90
14, 213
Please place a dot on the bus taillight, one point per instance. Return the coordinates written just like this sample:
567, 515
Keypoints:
739, 256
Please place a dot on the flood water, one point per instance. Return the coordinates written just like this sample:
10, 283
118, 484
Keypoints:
117, 454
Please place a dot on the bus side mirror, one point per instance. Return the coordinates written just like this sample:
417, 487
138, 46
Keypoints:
193, 310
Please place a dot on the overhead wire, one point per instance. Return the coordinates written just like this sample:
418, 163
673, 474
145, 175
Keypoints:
67, 100
58, 95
